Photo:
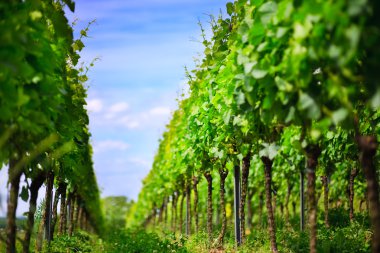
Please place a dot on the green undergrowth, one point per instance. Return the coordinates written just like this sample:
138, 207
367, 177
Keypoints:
117, 241
353, 238
343, 236
140, 241
80, 242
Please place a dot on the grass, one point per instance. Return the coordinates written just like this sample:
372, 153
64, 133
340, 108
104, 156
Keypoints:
344, 236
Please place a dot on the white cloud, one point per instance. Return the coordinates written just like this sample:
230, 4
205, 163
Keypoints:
140, 162
108, 145
150, 118
119, 107
116, 109
129, 122
94, 105
160, 110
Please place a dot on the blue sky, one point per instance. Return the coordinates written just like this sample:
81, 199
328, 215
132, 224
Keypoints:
143, 46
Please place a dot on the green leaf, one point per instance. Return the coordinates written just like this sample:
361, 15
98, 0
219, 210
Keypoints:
281, 31
258, 30
282, 84
262, 46
240, 98
268, 10
301, 30
290, 115
78, 45
269, 6
242, 59
240, 76
339, 115
259, 73
315, 134
329, 135
243, 31
375, 101
356, 7
237, 120
22, 98
70, 4
36, 79
297, 145
269, 150
285, 9
35, 15
245, 148
83, 33
256, 2
24, 194
248, 66
248, 84
268, 101
307, 103
334, 51
230, 8
230, 165
353, 35
227, 116
194, 110
217, 153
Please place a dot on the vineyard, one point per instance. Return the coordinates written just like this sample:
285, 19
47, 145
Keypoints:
286, 92
44, 125
273, 149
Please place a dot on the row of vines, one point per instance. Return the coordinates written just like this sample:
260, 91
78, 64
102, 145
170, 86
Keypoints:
286, 91
44, 136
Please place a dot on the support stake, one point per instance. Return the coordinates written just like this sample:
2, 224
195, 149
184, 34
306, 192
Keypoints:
302, 204
237, 204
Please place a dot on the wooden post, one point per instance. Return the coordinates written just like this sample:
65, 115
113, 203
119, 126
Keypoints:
188, 211
49, 203
237, 204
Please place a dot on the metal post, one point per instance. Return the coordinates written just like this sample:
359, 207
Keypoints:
48, 209
48, 217
237, 204
188, 211
302, 204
